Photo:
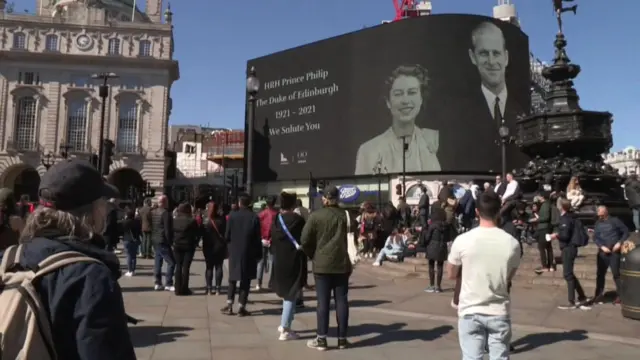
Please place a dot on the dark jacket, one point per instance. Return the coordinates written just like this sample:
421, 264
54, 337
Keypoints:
185, 233
404, 215
510, 228
423, 210
609, 232
290, 267
565, 229
130, 229
214, 245
436, 239
161, 227
145, 218
245, 244
324, 240
83, 300
467, 204
632, 192
500, 189
544, 218
112, 229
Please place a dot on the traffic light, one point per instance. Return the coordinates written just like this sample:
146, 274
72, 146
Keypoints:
398, 189
231, 180
321, 185
107, 156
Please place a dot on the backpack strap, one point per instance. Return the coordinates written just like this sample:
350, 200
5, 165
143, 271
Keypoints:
62, 259
11, 257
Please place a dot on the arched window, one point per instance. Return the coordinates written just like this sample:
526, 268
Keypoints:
127, 139
19, 41
114, 47
25, 123
77, 125
51, 42
145, 48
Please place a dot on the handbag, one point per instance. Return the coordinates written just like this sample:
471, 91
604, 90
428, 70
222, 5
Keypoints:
352, 249
290, 237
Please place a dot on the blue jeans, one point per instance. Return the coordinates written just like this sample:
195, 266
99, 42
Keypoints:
288, 313
636, 218
131, 251
163, 253
476, 332
263, 264
385, 253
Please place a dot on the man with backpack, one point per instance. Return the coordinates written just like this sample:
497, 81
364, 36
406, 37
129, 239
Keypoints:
59, 291
570, 235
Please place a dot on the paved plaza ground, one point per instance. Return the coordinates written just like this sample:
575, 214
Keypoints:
389, 318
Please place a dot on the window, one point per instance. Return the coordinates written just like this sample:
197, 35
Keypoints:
189, 149
114, 47
25, 124
77, 125
127, 139
145, 48
19, 41
29, 78
130, 84
51, 43
80, 81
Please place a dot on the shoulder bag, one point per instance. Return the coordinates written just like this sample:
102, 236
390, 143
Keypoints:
290, 237
352, 249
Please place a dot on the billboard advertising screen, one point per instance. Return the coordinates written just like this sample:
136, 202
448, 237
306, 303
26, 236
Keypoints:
435, 89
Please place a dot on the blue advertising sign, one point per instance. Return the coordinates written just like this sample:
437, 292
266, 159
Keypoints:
349, 193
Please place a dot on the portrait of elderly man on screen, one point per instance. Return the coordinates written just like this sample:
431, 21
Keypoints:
406, 88
489, 54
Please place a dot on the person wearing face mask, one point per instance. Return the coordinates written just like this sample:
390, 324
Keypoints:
407, 87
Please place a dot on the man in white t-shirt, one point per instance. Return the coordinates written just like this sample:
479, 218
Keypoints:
490, 258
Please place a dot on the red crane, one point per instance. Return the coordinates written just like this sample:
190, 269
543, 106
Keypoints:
405, 9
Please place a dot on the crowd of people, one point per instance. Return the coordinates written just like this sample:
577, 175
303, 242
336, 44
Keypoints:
70, 238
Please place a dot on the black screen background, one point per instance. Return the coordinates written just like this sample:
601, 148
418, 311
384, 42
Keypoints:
359, 63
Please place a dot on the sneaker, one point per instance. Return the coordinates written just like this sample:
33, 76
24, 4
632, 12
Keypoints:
539, 270
258, 288
454, 305
158, 287
598, 299
343, 344
227, 310
430, 289
318, 343
242, 312
376, 264
128, 274
437, 290
568, 306
617, 301
170, 288
288, 335
117, 252
280, 329
299, 305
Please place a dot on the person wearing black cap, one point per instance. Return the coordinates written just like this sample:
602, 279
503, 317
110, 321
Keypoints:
84, 300
324, 241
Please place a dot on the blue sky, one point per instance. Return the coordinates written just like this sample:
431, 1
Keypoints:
214, 39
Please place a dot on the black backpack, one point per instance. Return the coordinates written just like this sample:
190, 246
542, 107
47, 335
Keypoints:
580, 237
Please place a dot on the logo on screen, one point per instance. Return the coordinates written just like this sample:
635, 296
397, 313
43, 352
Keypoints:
301, 157
283, 159
349, 193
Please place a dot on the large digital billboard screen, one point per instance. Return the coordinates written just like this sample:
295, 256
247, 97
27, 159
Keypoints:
441, 84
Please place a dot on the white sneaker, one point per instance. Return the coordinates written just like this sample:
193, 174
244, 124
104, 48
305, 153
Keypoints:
128, 274
280, 329
288, 335
258, 287
170, 288
117, 252
376, 264
158, 287
453, 305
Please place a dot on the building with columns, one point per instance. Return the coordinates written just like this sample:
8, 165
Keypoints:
49, 104
626, 161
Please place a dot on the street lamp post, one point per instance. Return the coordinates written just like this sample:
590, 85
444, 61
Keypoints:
103, 93
405, 147
253, 86
48, 160
377, 171
505, 139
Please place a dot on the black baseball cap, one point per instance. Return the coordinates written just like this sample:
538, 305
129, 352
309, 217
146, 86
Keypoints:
331, 193
71, 184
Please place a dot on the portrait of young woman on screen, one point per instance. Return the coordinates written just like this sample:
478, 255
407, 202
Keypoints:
406, 90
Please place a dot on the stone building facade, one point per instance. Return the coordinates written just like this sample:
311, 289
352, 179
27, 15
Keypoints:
49, 103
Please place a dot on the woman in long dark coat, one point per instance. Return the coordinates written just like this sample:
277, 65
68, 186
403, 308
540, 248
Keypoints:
289, 270
435, 239
214, 247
